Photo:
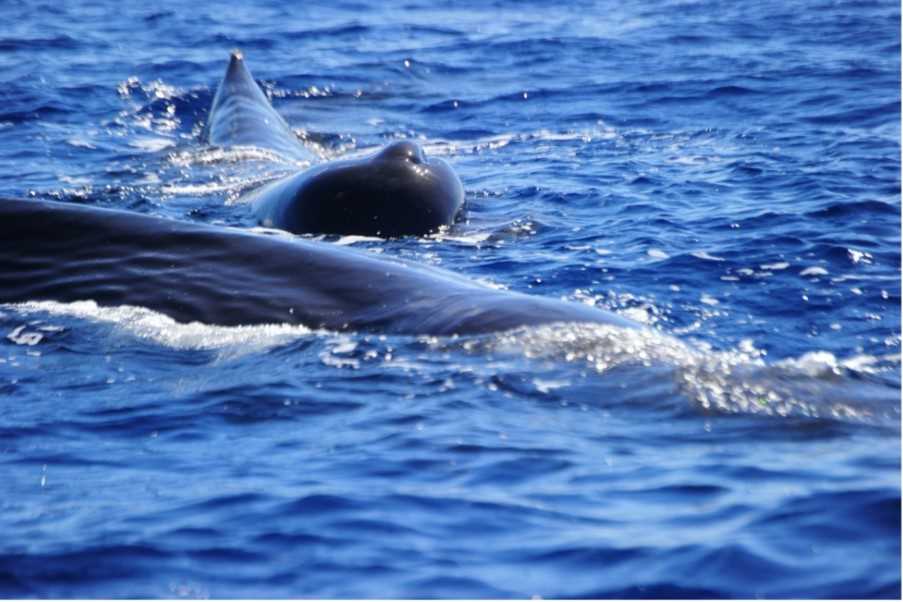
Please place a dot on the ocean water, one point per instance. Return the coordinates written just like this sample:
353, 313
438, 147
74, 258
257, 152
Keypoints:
726, 173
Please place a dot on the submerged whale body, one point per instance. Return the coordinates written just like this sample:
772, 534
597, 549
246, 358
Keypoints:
52, 251
396, 192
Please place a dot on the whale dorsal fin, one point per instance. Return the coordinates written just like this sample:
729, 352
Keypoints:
242, 115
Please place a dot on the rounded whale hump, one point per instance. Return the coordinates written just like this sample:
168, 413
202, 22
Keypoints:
403, 151
399, 191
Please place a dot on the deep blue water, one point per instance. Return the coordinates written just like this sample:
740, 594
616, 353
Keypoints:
726, 172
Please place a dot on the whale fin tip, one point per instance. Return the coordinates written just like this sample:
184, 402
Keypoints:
237, 72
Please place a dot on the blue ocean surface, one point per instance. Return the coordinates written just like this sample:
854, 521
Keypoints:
726, 173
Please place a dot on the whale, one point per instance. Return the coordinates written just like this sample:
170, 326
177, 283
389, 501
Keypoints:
193, 272
398, 191
241, 115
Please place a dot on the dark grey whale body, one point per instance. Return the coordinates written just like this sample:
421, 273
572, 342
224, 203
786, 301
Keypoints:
192, 272
241, 115
396, 192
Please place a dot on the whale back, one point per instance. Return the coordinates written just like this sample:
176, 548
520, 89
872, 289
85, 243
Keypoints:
241, 115
63, 252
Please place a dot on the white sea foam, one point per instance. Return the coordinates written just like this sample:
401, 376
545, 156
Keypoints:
355, 238
79, 142
232, 154
814, 271
779, 265
440, 147
706, 256
471, 239
20, 336
151, 145
163, 330
816, 384
857, 256
733, 381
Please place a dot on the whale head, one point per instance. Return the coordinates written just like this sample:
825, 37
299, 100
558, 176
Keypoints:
399, 191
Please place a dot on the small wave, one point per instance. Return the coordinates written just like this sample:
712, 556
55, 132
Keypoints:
728, 91
59, 42
854, 208
331, 32
689, 39
35, 113
874, 115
